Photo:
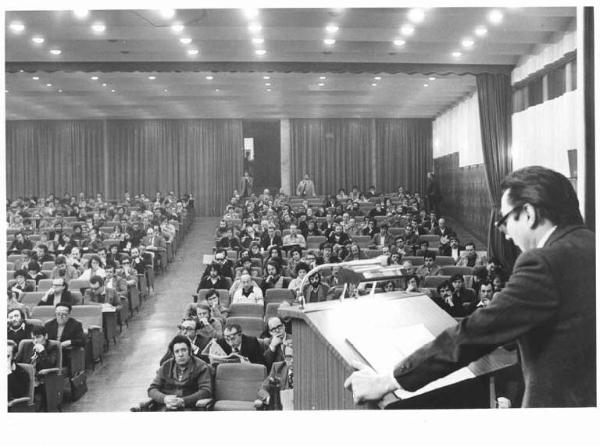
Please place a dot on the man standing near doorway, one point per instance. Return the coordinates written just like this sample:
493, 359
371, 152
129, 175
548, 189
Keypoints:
306, 187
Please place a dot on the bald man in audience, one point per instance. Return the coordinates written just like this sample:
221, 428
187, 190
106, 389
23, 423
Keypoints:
247, 293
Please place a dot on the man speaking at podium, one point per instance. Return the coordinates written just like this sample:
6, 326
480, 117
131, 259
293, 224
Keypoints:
548, 305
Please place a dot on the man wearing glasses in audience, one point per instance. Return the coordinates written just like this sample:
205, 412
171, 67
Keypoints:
246, 347
58, 293
548, 305
224, 263
281, 377
278, 341
65, 329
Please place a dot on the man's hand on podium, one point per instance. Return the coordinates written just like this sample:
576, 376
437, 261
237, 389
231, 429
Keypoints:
366, 384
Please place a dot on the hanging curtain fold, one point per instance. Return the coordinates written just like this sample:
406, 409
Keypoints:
494, 93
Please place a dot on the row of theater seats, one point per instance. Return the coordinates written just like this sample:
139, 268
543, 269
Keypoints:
100, 324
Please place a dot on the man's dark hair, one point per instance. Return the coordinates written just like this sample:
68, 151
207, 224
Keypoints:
549, 192
60, 260
230, 326
63, 304
39, 330
20, 272
216, 266
275, 265
444, 285
480, 273
486, 282
457, 277
97, 279
302, 266
415, 277
180, 339
429, 254
470, 243
18, 310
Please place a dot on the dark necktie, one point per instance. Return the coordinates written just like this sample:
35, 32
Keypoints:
290, 378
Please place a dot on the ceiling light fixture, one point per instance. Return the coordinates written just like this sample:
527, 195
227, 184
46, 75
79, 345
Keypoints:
425, 85
495, 16
416, 15
407, 30
377, 78
94, 78
467, 42
167, 13
113, 90
374, 84
456, 54
254, 27
55, 52
266, 78
60, 90
48, 85
16, 27
185, 40
268, 89
209, 78
37, 39
104, 84
258, 40
81, 13
177, 28
152, 78
165, 90
322, 78
481, 31
399, 42
332, 28
329, 41
192, 52
251, 13
321, 84
432, 78
36, 78
267, 84
98, 28
261, 52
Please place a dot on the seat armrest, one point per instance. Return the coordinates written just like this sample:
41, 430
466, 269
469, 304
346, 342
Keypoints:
205, 404
18, 400
49, 371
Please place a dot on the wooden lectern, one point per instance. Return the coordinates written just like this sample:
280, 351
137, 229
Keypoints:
323, 354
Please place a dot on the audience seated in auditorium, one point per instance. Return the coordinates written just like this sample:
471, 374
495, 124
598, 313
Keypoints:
271, 239
280, 378
499, 281
17, 328
34, 271
58, 293
450, 246
226, 264
442, 230
302, 269
65, 329
294, 239
63, 270
19, 244
20, 286
471, 258
486, 292
248, 348
213, 280
98, 293
382, 239
278, 339
315, 290
423, 248
188, 327
354, 253
412, 285
247, 293
273, 278
237, 284
181, 380
327, 255
95, 268
138, 262
464, 299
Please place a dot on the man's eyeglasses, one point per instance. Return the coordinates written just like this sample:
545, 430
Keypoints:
276, 328
186, 328
501, 223
62, 314
231, 336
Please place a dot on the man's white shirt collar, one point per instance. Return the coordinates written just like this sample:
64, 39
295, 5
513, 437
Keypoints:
546, 236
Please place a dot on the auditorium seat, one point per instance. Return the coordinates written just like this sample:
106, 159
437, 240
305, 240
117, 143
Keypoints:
253, 326
444, 260
433, 239
362, 241
454, 269
237, 385
79, 284
48, 265
279, 296
44, 284
416, 260
31, 299
24, 404
10, 274
434, 281
372, 252
271, 310
29, 282
246, 310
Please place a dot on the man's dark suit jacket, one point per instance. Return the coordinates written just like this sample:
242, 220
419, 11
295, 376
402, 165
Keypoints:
447, 231
279, 372
266, 241
251, 348
48, 358
549, 307
65, 297
73, 331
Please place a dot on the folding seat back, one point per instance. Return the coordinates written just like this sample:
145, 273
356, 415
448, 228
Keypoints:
444, 260
79, 285
434, 281
10, 275
271, 310
246, 310
28, 282
24, 404
44, 284
31, 299
232, 254
48, 273
362, 241
48, 265
10, 266
237, 385
396, 231
108, 242
372, 253
88, 315
42, 313
433, 239
454, 269
253, 326
416, 260
279, 296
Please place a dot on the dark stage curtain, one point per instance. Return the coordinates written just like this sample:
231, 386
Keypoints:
404, 153
202, 157
336, 153
494, 93
44, 157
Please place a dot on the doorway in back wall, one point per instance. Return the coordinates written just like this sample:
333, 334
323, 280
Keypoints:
266, 165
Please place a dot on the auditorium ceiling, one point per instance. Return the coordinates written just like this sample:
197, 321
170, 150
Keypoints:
268, 63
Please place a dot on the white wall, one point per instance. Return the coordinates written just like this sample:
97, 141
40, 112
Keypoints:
458, 130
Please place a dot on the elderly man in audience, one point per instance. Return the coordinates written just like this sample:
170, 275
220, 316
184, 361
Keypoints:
429, 267
63, 270
235, 342
247, 293
281, 377
486, 293
277, 341
471, 258
294, 239
182, 380
17, 328
65, 329
58, 293
442, 229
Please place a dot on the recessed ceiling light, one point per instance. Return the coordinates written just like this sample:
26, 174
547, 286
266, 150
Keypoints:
165, 90
267, 84
425, 85
48, 85
60, 90
81, 13
98, 27
495, 16
321, 84
177, 27
432, 78
37, 39
36, 78
456, 54
374, 84
399, 42
416, 15
251, 13
192, 52
113, 90
328, 41
94, 78
257, 40
209, 78
261, 52
255, 27
104, 84
322, 78
377, 78
152, 78
266, 77
407, 30
332, 28
481, 31
21, 71
55, 52
268, 89
185, 40
217, 90
167, 13
467, 42
16, 27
